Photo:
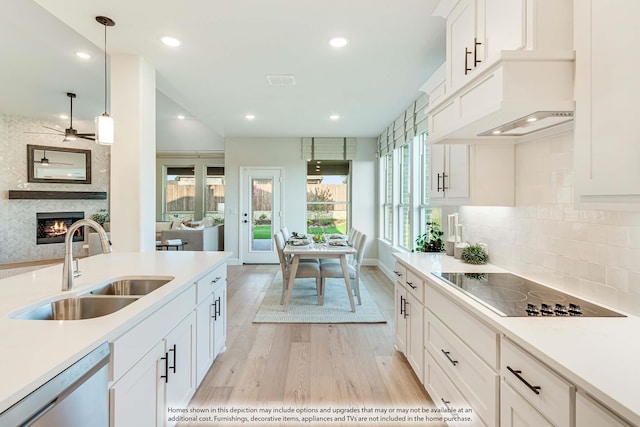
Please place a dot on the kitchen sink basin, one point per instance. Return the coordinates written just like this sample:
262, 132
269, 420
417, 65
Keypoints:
78, 308
132, 286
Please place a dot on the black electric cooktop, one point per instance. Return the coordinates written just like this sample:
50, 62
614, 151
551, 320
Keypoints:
514, 296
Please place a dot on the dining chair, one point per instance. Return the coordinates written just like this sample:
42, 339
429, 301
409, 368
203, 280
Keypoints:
305, 269
353, 235
285, 233
334, 270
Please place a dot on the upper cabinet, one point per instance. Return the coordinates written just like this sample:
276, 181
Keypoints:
606, 145
509, 69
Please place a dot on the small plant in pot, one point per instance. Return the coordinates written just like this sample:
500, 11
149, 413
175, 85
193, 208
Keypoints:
431, 241
101, 217
474, 254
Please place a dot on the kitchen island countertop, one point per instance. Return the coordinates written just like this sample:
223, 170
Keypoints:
34, 351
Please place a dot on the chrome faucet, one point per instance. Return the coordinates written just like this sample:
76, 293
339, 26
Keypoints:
68, 271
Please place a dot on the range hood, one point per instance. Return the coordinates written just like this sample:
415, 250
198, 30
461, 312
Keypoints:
521, 93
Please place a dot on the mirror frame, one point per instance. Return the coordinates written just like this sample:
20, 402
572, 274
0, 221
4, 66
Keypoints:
31, 168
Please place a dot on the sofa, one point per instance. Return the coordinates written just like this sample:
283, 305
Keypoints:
203, 239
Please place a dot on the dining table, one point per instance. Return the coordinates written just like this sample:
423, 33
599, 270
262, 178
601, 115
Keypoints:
339, 248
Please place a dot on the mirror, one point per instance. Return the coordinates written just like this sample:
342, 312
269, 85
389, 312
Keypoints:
58, 164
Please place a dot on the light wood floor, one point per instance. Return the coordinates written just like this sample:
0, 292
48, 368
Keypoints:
307, 365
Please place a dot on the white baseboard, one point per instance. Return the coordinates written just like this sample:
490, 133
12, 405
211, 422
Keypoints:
386, 271
370, 261
233, 261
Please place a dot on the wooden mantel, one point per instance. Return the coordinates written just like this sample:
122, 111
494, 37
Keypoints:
58, 195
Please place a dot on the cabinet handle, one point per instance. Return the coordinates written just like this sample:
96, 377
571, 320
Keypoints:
444, 186
397, 273
446, 403
533, 388
406, 313
166, 367
411, 284
476, 43
213, 307
174, 358
218, 308
467, 52
215, 280
402, 307
446, 354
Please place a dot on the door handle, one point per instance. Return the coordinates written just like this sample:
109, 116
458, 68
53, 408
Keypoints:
245, 221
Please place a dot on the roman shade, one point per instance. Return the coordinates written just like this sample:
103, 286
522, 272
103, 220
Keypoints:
328, 148
410, 123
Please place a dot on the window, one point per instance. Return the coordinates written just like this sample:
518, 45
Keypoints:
387, 208
328, 198
404, 206
214, 194
179, 193
424, 212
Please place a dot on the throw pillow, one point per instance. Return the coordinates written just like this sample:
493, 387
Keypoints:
207, 222
176, 224
185, 227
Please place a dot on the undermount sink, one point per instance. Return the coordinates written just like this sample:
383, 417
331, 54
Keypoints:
132, 286
78, 308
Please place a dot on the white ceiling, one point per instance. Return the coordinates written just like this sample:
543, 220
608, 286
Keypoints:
218, 74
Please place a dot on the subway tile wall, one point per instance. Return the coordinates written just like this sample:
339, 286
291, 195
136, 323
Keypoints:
591, 253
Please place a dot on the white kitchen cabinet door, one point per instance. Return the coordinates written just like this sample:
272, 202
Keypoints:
204, 338
219, 317
401, 318
590, 414
449, 172
137, 398
607, 131
515, 411
461, 31
180, 350
415, 334
504, 27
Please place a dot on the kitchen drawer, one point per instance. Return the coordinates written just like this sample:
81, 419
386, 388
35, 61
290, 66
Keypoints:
590, 413
445, 394
207, 284
130, 347
401, 273
477, 382
415, 285
515, 411
541, 387
475, 334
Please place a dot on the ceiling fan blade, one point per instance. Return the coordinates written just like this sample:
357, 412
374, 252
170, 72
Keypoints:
90, 138
45, 133
86, 134
57, 130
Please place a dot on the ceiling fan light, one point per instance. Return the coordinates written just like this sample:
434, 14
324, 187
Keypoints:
70, 135
105, 130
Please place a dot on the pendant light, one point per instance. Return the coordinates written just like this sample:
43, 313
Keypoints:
104, 123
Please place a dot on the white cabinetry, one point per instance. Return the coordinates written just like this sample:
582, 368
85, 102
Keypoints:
481, 175
515, 411
590, 413
607, 91
409, 297
180, 364
211, 319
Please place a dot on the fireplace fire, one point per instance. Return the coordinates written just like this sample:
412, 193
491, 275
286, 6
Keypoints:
52, 227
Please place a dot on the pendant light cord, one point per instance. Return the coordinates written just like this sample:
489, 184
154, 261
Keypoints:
105, 69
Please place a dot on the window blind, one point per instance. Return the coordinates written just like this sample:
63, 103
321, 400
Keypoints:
328, 148
411, 123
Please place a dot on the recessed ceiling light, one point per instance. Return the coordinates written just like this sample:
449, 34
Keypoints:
334, 117
249, 116
339, 42
170, 41
496, 132
532, 119
180, 117
83, 55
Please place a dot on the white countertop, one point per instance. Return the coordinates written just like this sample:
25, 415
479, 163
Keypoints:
33, 351
600, 355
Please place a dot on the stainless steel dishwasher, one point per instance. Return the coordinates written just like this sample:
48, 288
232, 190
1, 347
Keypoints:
76, 397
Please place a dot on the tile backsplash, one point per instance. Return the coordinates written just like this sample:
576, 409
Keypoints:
18, 217
593, 254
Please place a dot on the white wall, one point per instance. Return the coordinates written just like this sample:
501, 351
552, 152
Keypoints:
593, 254
287, 153
186, 135
18, 217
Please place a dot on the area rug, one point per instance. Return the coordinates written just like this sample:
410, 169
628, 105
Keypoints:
304, 308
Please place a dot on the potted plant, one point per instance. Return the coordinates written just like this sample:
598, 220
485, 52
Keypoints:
101, 217
474, 254
431, 241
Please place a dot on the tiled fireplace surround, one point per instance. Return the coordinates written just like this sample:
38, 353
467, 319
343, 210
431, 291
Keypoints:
594, 254
18, 217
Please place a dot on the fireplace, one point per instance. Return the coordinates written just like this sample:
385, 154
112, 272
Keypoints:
52, 226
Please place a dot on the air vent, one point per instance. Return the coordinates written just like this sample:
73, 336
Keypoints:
281, 79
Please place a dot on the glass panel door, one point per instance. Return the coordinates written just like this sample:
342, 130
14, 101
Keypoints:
261, 210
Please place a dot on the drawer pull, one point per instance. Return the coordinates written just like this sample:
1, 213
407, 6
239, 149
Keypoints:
411, 284
397, 273
533, 388
402, 306
406, 313
446, 403
215, 280
446, 354
467, 52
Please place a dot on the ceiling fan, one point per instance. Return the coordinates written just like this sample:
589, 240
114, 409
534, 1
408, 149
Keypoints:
44, 161
70, 134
